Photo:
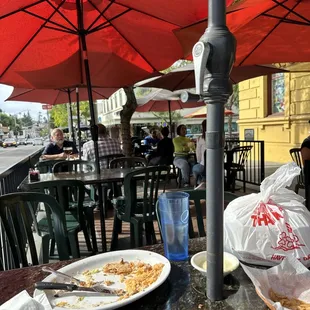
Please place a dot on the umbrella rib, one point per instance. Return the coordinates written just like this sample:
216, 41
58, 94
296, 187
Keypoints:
107, 23
63, 16
26, 45
21, 9
61, 30
99, 94
268, 34
287, 20
145, 13
100, 13
21, 94
42, 18
291, 10
133, 47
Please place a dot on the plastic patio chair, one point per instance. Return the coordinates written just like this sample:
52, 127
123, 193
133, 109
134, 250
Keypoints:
17, 213
128, 162
68, 193
139, 211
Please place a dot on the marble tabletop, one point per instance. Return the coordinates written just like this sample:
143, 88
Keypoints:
183, 290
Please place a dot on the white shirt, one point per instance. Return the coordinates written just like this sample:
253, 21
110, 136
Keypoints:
200, 150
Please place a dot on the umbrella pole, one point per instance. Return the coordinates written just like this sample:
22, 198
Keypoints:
71, 116
93, 127
78, 118
212, 71
170, 119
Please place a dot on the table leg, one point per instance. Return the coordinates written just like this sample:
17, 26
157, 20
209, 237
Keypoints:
102, 202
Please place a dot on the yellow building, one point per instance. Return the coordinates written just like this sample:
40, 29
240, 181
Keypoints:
277, 110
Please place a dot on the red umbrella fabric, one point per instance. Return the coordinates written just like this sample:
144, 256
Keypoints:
119, 34
56, 96
163, 105
267, 31
183, 78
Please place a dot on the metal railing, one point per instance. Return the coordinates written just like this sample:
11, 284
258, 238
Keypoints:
9, 182
255, 164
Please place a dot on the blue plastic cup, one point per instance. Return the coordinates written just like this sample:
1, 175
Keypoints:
173, 214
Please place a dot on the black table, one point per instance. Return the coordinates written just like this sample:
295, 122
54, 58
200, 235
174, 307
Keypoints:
183, 290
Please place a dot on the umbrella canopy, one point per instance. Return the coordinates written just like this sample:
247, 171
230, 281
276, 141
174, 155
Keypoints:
57, 96
202, 112
118, 35
163, 105
267, 31
184, 77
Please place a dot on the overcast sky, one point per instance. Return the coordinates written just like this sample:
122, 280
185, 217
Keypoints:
15, 107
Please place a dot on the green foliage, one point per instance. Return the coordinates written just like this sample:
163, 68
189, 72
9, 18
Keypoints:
44, 132
7, 120
178, 64
26, 120
142, 91
59, 113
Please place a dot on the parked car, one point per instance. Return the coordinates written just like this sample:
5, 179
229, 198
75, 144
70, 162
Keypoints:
9, 142
37, 141
29, 141
21, 141
1, 143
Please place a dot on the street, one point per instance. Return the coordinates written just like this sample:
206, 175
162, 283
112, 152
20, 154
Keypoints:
11, 155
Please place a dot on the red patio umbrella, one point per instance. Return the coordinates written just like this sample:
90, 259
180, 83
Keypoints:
267, 31
184, 77
57, 96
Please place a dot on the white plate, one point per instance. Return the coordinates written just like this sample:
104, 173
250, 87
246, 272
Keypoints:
93, 262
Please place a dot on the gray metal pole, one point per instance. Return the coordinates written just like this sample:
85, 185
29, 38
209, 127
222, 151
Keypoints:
170, 119
213, 60
71, 127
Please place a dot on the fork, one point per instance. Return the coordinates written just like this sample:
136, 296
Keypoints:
97, 288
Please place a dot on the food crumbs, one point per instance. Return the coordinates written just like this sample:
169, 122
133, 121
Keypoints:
108, 283
81, 298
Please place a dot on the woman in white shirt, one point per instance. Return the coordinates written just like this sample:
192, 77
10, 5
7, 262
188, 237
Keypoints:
199, 169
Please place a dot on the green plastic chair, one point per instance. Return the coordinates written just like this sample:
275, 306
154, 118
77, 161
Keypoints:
128, 162
45, 166
17, 213
136, 209
70, 196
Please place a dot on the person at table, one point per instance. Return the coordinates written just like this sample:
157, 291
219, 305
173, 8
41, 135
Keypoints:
165, 150
181, 150
106, 146
150, 143
305, 149
55, 149
199, 170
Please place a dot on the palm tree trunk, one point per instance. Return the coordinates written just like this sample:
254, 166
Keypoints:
126, 114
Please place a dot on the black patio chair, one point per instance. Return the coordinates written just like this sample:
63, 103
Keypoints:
106, 159
136, 209
241, 153
296, 156
128, 162
17, 213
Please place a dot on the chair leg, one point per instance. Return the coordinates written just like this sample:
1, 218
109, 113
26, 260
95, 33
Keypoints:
89, 212
52, 248
150, 233
87, 239
116, 224
137, 230
233, 181
45, 248
74, 244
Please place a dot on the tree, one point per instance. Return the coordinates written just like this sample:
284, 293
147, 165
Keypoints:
232, 101
164, 116
126, 114
26, 120
59, 114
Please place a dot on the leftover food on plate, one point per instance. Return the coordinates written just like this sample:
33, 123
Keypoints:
136, 276
290, 303
227, 265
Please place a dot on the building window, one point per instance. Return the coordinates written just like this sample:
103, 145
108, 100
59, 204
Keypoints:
277, 87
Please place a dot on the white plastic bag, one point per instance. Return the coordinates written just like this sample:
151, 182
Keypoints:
264, 228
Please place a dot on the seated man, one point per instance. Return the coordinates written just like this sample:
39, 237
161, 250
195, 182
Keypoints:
106, 146
55, 149
165, 150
